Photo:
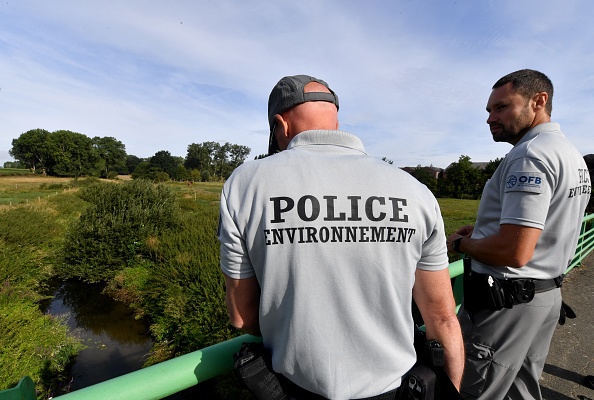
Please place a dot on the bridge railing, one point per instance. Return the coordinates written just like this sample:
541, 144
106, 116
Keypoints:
173, 376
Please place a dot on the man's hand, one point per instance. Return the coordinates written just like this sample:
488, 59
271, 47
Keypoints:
465, 231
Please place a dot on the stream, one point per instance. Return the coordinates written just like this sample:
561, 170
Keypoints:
117, 343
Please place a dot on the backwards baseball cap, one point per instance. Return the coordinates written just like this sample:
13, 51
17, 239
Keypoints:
289, 93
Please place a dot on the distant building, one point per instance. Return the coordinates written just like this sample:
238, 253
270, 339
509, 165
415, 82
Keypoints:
436, 172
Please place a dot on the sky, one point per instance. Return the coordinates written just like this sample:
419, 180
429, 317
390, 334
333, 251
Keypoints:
412, 76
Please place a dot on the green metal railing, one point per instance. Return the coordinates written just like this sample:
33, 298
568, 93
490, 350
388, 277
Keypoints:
173, 376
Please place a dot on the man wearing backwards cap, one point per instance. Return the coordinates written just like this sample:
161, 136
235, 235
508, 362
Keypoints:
324, 248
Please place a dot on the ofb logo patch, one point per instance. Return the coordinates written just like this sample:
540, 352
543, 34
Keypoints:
511, 181
525, 182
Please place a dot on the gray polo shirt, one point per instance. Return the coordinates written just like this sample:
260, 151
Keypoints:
542, 183
334, 237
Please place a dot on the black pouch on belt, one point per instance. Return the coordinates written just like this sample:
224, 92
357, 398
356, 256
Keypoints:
253, 370
483, 292
522, 290
418, 384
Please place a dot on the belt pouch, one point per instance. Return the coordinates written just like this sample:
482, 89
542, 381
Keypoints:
523, 290
482, 292
254, 372
418, 384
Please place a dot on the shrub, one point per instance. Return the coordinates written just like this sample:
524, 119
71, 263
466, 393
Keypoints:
111, 233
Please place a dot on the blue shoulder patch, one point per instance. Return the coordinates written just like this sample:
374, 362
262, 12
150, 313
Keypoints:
525, 182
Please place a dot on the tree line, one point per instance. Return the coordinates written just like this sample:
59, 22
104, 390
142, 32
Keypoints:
70, 154
460, 180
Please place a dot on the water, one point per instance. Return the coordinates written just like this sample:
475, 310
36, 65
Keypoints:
117, 343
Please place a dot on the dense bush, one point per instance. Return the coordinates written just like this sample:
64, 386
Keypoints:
111, 233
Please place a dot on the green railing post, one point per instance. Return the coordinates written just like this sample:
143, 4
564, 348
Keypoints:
25, 390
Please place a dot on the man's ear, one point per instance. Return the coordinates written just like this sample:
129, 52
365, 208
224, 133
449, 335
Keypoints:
540, 100
282, 132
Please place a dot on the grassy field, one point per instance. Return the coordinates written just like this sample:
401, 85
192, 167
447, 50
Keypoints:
14, 172
457, 213
34, 188
23, 189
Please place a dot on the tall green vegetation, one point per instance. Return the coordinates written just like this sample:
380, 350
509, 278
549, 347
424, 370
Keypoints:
214, 159
31, 343
158, 251
184, 295
112, 232
154, 245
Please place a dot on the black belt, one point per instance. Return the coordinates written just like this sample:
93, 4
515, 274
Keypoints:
540, 285
544, 285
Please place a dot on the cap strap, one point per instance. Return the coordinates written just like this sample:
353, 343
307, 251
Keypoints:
320, 96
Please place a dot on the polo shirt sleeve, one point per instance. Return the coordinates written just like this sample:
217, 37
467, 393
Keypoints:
235, 261
528, 186
434, 256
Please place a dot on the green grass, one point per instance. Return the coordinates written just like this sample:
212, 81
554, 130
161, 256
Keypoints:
14, 172
15, 190
457, 213
32, 344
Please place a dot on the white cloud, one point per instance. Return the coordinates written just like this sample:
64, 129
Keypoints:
412, 77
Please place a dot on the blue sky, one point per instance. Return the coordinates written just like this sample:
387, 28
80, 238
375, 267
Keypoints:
412, 76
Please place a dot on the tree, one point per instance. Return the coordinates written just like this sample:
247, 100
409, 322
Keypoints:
462, 180
426, 177
164, 161
213, 159
221, 167
180, 173
238, 154
113, 154
132, 162
142, 171
197, 157
112, 234
490, 168
30, 148
71, 154
14, 164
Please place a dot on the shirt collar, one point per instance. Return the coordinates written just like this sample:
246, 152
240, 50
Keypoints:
551, 127
327, 137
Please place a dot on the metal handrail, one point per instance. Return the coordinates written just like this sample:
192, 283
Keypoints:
180, 373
